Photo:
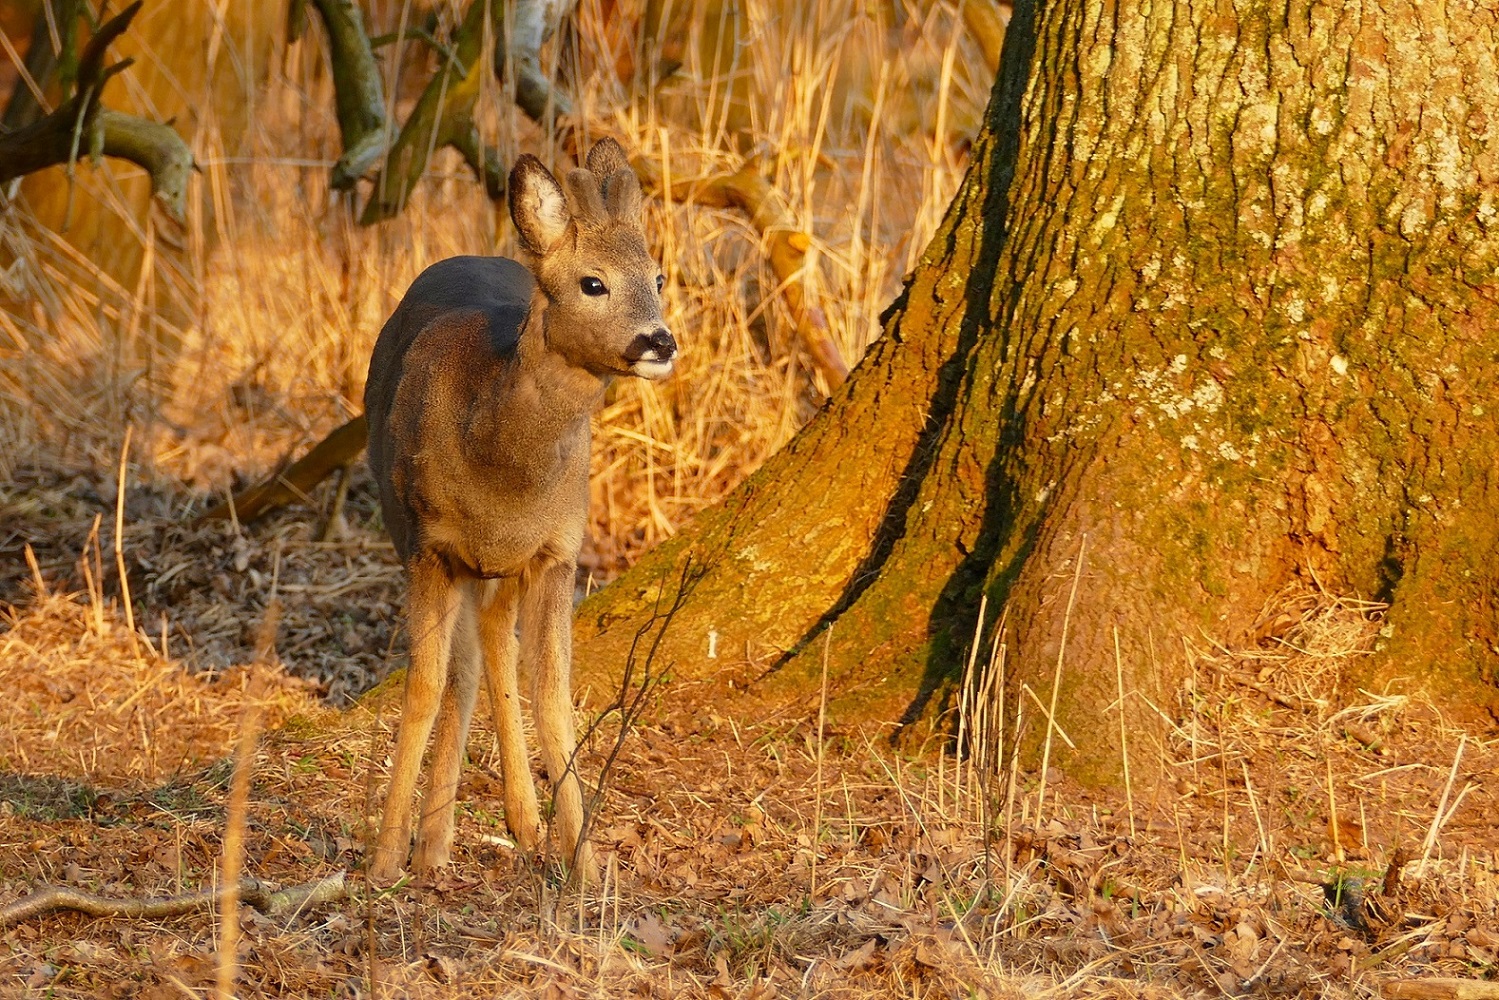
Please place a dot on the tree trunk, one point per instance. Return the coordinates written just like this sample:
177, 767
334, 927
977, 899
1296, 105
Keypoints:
1216, 306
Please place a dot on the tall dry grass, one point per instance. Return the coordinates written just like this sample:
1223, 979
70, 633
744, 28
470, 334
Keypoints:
856, 111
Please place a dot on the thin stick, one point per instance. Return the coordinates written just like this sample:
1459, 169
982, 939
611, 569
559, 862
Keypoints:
120, 544
1255, 809
1129, 792
291, 899
1332, 812
968, 703
1056, 681
1439, 818
822, 711
234, 841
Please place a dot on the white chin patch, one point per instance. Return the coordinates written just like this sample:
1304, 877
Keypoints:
652, 369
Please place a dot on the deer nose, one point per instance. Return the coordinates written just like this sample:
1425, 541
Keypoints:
662, 343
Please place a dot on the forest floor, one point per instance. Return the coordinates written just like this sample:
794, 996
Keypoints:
1287, 838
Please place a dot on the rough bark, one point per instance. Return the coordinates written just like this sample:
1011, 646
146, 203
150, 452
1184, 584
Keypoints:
1216, 304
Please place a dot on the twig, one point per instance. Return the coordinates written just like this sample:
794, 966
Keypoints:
292, 899
629, 704
1056, 681
1440, 989
1441, 814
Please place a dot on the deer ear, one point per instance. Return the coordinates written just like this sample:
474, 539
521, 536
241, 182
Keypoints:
583, 197
607, 157
622, 193
537, 205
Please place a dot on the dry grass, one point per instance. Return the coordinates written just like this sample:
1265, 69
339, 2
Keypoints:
292, 293
742, 858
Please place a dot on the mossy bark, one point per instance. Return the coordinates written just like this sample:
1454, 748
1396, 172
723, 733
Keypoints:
1216, 306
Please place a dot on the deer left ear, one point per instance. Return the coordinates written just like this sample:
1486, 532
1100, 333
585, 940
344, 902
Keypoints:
537, 205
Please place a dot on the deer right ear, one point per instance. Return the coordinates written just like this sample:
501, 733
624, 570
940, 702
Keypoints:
537, 205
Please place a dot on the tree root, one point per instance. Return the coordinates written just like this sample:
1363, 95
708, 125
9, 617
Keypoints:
271, 903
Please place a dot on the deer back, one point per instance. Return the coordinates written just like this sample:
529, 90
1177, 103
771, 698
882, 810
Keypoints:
482, 381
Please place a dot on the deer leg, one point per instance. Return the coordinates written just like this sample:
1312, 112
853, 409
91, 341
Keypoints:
548, 632
497, 637
432, 605
434, 839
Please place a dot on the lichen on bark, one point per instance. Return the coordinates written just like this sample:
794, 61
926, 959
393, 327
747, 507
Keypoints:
1214, 308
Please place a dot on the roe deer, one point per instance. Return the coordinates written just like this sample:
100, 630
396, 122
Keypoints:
479, 395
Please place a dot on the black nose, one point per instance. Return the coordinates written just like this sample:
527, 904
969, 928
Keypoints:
663, 344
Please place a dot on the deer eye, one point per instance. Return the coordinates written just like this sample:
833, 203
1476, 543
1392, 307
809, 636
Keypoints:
593, 286
660, 283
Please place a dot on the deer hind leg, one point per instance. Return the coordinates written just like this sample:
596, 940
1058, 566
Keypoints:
497, 613
432, 606
546, 631
434, 839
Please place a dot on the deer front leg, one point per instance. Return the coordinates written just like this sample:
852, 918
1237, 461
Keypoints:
548, 636
432, 606
497, 616
434, 840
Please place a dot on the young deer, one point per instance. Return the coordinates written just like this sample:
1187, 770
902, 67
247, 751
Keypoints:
479, 395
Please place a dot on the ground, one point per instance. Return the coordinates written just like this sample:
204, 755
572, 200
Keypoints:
742, 855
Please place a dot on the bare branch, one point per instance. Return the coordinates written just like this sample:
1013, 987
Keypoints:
55, 138
358, 93
334, 452
252, 891
786, 248
535, 21
442, 116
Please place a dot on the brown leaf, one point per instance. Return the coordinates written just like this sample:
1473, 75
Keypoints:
857, 959
652, 935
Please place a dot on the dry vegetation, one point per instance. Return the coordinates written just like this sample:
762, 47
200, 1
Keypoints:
746, 854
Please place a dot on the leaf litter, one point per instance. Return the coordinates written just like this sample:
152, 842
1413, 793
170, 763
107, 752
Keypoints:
1257, 866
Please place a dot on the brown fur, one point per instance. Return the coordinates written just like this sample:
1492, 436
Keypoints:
479, 395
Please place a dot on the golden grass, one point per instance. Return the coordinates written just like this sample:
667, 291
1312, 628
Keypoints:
292, 293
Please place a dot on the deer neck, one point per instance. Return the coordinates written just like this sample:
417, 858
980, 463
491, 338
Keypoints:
545, 404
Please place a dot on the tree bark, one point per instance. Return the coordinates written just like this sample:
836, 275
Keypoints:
1214, 308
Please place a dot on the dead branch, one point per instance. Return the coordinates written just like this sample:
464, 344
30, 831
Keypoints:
443, 114
82, 124
334, 452
252, 891
534, 22
358, 95
155, 147
786, 248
